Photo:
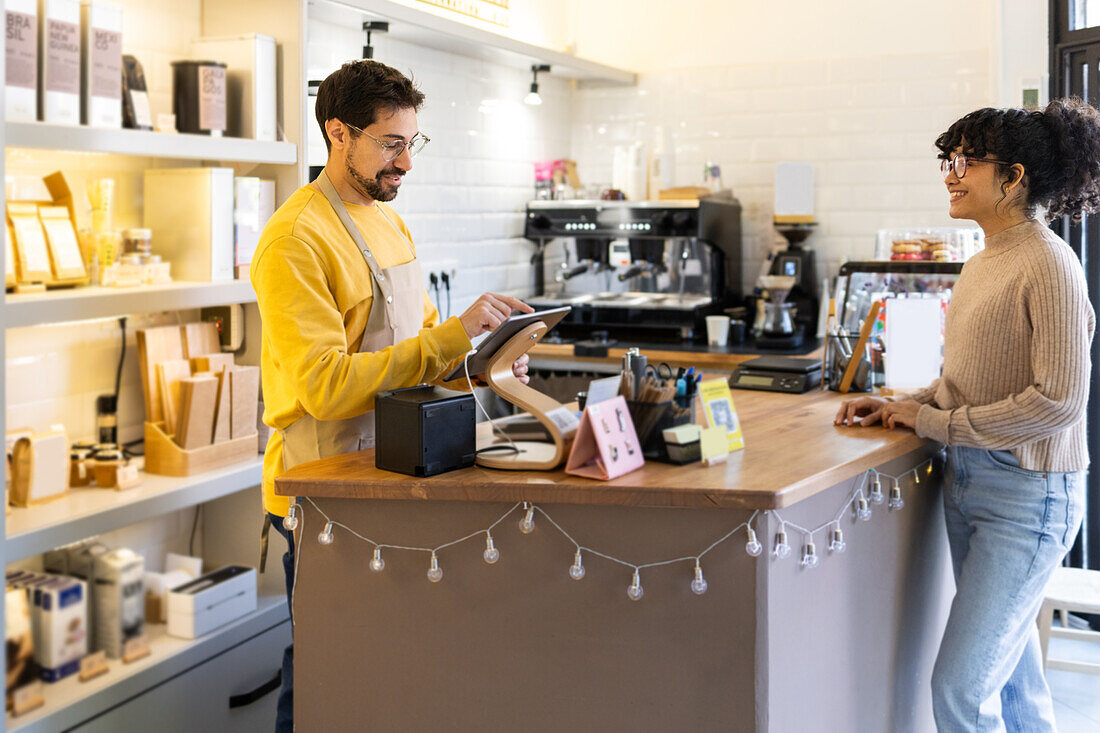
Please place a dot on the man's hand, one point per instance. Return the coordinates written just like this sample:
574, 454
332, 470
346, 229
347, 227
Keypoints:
860, 411
901, 414
520, 368
489, 311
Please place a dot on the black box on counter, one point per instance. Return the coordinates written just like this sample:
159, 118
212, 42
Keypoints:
422, 431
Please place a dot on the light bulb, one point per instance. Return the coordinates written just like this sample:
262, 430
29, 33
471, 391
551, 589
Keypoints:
863, 509
699, 585
376, 562
532, 99
876, 492
634, 592
435, 573
325, 538
929, 468
491, 554
753, 546
837, 543
809, 555
781, 550
896, 502
576, 570
290, 521
527, 524
916, 476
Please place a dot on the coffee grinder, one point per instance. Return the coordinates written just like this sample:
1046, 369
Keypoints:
798, 262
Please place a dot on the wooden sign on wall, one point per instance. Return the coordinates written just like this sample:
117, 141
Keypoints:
492, 11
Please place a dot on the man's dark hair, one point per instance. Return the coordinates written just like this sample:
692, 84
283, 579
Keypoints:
357, 91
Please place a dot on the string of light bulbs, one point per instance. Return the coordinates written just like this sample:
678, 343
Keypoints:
859, 501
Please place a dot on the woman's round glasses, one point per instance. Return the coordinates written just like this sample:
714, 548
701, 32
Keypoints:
392, 149
959, 163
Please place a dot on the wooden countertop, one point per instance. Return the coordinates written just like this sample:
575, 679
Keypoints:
792, 452
701, 359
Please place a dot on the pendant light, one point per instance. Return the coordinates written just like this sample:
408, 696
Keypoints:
533, 97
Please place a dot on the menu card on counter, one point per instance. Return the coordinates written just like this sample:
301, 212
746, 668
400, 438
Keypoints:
719, 410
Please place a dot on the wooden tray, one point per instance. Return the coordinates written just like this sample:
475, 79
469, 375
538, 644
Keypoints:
164, 457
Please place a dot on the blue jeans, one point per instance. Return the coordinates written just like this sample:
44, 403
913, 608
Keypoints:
284, 717
1008, 529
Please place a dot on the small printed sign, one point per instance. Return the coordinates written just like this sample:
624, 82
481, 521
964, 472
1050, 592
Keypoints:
135, 649
27, 698
93, 665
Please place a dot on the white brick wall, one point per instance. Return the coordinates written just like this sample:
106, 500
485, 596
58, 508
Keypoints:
464, 198
867, 125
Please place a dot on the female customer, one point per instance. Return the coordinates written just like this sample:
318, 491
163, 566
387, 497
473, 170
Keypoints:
1010, 406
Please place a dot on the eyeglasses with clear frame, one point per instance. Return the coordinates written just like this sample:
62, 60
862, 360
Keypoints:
960, 162
392, 150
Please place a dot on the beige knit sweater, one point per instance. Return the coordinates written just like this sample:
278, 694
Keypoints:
1016, 356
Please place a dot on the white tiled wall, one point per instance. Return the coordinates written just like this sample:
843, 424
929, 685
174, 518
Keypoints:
867, 125
464, 198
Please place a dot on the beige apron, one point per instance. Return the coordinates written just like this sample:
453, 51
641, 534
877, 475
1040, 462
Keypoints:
396, 314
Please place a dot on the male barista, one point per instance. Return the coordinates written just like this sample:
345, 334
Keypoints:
344, 310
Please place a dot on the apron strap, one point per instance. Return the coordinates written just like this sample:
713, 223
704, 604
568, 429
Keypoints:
263, 541
382, 303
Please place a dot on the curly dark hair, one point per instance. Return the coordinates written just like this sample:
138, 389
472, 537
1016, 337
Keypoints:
1059, 148
357, 91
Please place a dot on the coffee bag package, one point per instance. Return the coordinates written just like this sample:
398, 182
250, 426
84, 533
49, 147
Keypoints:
101, 59
59, 59
21, 60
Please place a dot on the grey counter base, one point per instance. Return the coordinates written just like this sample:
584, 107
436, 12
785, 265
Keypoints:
520, 646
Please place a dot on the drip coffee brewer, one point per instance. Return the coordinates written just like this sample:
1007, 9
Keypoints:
776, 326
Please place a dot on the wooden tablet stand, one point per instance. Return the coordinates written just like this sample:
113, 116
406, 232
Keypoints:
556, 417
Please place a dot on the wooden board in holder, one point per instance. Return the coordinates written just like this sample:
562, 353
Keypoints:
156, 345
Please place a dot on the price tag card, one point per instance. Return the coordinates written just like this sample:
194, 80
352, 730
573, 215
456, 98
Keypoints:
135, 649
93, 665
27, 698
128, 477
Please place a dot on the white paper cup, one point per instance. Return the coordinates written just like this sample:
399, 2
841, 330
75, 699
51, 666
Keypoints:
718, 330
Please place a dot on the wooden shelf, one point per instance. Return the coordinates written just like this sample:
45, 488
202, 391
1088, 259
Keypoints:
424, 28
90, 511
85, 303
46, 136
70, 702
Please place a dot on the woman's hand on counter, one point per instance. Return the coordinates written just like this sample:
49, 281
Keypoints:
901, 414
860, 411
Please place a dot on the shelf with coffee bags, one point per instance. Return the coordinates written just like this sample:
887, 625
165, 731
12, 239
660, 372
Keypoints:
81, 138
69, 702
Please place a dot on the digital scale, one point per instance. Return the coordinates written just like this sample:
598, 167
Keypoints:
777, 374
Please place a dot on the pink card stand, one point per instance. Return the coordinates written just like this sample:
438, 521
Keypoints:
606, 445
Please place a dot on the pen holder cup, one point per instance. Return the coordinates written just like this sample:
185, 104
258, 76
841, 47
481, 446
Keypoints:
651, 419
838, 355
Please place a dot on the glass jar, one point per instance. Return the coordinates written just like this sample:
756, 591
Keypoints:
137, 240
107, 463
80, 474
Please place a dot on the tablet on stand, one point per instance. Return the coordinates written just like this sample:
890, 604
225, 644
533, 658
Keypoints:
511, 340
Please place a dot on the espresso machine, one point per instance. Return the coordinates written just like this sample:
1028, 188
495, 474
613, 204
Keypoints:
648, 271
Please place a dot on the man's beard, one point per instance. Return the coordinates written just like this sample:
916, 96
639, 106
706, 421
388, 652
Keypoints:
375, 188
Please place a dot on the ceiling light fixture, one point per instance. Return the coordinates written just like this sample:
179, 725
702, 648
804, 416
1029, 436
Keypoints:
533, 97
373, 26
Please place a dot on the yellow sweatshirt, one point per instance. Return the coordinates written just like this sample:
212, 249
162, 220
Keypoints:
314, 293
